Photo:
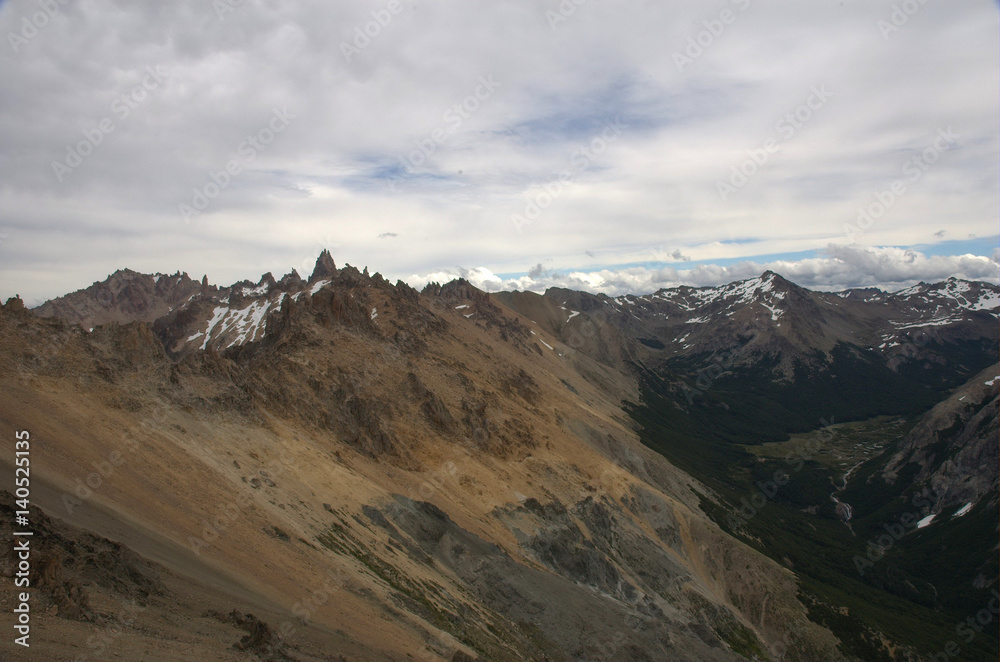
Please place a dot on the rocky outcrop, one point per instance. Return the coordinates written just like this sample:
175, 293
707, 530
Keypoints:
325, 267
431, 406
126, 296
260, 641
290, 282
14, 305
133, 345
954, 448
65, 560
542, 528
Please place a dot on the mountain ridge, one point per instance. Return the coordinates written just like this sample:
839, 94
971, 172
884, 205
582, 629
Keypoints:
519, 475
482, 488
238, 312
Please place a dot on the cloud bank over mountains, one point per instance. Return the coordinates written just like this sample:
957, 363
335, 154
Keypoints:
840, 267
230, 138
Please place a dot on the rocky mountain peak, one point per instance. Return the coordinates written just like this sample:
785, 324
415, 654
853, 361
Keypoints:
953, 292
14, 304
290, 280
776, 280
124, 296
459, 289
377, 385
325, 267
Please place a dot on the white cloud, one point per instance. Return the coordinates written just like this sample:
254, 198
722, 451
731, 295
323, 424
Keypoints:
841, 267
325, 180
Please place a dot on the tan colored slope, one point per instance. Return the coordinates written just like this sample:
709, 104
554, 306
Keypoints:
158, 499
242, 463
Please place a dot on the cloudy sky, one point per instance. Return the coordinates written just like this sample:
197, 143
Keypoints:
611, 146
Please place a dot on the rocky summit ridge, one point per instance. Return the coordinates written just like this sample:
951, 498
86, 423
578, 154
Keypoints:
344, 468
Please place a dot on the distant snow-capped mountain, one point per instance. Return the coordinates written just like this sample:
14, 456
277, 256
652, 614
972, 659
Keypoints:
748, 319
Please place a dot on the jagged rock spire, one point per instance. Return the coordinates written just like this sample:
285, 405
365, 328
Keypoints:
14, 304
325, 268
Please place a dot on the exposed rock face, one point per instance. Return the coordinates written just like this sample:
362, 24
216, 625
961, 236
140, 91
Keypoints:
325, 267
478, 306
260, 641
64, 560
956, 445
132, 344
769, 320
334, 307
126, 296
626, 623
360, 424
290, 281
469, 472
14, 304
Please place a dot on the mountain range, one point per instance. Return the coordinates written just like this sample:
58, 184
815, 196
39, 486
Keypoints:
342, 468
